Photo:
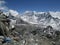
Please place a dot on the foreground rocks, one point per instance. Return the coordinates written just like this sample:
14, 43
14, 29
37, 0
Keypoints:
33, 36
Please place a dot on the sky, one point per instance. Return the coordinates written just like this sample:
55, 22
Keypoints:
33, 5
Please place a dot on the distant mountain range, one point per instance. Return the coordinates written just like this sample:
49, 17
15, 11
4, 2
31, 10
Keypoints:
40, 19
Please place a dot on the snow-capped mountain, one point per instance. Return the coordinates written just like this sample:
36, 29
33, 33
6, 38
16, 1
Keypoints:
15, 17
36, 18
41, 18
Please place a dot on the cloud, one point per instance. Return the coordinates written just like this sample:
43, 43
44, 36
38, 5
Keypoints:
3, 6
13, 12
2, 2
55, 14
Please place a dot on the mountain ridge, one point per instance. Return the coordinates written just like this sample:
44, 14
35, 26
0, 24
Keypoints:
41, 19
